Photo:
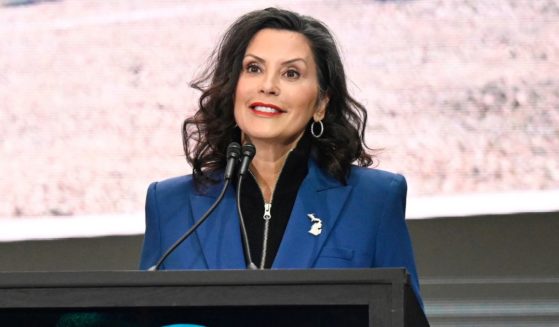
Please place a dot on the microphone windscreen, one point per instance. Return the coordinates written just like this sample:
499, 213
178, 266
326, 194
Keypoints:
248, 153
233, 155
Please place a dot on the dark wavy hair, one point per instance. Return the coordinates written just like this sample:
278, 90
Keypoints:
209, 131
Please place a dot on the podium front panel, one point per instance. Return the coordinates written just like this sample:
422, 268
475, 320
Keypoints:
360, 297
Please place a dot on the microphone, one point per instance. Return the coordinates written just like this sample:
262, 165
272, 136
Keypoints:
248, 153
233, 154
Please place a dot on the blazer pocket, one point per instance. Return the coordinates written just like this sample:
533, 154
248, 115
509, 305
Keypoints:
341, 253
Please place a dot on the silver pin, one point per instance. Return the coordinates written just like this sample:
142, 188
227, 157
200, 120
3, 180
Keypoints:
316, 227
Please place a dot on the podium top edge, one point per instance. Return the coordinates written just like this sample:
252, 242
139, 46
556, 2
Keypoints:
202, 277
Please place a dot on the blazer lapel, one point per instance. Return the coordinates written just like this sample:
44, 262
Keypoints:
322, 196
219, 235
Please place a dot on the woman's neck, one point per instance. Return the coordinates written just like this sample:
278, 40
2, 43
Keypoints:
268, 164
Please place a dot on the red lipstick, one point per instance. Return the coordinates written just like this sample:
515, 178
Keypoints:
266, 109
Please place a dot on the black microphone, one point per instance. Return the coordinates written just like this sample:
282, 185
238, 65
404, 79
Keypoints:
248, 153
233, 154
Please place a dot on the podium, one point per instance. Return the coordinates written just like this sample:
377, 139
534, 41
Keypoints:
360, 297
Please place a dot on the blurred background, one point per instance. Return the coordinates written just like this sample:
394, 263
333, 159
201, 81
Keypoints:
462, 95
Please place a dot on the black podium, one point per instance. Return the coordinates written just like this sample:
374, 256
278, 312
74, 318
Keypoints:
361, 297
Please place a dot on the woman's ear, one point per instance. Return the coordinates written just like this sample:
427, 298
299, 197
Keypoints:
321, 108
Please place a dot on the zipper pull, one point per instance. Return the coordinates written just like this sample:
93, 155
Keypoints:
267, 209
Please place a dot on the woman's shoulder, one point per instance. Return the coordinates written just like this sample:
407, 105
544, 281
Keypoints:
176, 182
367, 178
182, 185
174, 185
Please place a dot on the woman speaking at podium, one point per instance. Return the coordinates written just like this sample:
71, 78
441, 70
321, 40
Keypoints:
307, 200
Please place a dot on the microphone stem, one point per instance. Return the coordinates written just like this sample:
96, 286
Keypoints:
248, 257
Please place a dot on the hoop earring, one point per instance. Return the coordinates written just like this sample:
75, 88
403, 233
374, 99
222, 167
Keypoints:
317, 135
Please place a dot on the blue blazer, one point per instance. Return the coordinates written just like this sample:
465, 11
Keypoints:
363, 225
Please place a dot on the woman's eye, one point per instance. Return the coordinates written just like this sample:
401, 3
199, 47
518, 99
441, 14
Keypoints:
292, 74
253, 68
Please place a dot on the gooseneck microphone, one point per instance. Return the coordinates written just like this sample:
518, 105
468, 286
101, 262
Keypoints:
233, 155
248, 153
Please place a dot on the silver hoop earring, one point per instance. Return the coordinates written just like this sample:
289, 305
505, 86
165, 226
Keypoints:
319, 134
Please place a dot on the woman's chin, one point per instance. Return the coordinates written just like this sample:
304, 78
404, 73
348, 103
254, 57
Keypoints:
268, 139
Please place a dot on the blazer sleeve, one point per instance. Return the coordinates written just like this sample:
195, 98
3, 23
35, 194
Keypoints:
151, 248
393, 242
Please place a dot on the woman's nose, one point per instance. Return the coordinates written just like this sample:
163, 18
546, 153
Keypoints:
269, 85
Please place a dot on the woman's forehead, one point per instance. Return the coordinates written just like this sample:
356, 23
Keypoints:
279, 44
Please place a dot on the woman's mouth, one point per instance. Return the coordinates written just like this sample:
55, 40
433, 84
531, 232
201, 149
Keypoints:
266, 109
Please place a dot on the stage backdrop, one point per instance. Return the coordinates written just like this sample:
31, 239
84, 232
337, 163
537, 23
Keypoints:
462, 96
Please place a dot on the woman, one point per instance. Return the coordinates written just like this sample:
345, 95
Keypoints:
277, 82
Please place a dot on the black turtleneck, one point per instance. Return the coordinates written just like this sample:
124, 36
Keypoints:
283, 199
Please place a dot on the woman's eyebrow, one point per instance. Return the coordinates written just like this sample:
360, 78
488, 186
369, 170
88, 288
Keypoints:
294, 60
287, 62
255, 57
